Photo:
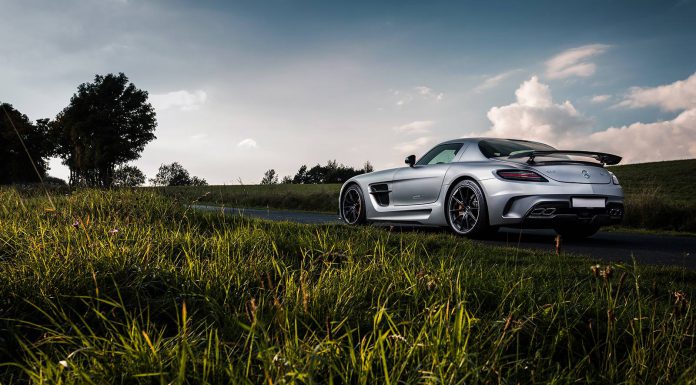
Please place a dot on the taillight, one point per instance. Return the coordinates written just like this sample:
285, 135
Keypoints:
614, 179
522, 175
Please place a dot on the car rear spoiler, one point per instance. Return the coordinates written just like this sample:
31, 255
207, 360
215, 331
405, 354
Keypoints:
608, 159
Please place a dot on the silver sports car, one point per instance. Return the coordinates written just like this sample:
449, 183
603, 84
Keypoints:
475, 185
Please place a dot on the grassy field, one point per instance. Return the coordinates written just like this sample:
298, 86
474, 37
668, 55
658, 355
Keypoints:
673, 180
130, 287
659, 196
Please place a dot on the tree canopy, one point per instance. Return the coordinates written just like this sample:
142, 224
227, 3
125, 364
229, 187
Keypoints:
176, 175
128, 176
270, 177
15, 163
107, 123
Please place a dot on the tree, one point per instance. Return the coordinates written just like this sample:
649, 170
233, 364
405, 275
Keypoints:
196, 181
301, 176
16, 160
270, 177
286, 180
171, 175
367, 167
176, 175
315, 175
107, 123
128, 176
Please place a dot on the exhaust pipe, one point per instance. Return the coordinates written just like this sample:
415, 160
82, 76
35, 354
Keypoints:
550, 211
538, 211
615, 212
543, 211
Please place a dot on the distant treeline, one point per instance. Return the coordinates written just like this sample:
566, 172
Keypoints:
333, 172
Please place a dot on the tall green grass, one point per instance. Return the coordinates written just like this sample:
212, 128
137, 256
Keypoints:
131, 287
651, 208
659, 195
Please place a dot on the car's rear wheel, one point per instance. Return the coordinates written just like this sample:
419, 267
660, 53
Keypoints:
467, 212
577, 231
353, 206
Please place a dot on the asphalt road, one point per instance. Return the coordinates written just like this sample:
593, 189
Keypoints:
606, 246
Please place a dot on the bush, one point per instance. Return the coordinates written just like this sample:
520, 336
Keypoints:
649, 208
54, 181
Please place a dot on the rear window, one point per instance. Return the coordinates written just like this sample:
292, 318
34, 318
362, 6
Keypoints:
496, 148
502, 148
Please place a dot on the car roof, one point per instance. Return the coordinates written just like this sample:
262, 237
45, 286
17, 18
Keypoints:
478, 139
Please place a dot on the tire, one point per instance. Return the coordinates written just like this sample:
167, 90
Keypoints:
466, 210
353, 206
578, 231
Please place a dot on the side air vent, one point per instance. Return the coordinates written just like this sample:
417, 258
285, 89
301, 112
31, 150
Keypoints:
381, 193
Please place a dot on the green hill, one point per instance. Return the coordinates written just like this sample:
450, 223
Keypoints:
675, 179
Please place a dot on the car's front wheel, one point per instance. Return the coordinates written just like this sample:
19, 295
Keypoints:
467, 212
578, 231
353, 206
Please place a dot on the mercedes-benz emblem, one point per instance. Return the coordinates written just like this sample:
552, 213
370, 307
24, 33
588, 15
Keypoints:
586, 174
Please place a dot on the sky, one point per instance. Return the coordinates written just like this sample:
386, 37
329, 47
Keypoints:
241, 87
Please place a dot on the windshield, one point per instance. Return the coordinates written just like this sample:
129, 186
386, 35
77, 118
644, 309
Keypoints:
443, 153
496, 148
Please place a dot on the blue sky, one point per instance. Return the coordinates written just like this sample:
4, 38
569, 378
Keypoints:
244, 86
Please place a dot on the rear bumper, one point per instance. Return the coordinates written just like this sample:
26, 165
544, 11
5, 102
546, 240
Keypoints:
551, 214
518, 203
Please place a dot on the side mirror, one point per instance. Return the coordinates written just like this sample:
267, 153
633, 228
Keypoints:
411, 160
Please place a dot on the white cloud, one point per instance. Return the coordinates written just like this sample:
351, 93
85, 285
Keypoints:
535, 116
247, 143
417, 93
423, 90
600, 98
679, 95
429, 93
670, 139
493, 81
573, 62
415, 145
645, 142
416, 127
183, 100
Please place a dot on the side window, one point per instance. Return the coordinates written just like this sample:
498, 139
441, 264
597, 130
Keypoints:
441, 154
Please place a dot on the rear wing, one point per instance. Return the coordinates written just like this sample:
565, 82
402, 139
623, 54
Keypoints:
607, 159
